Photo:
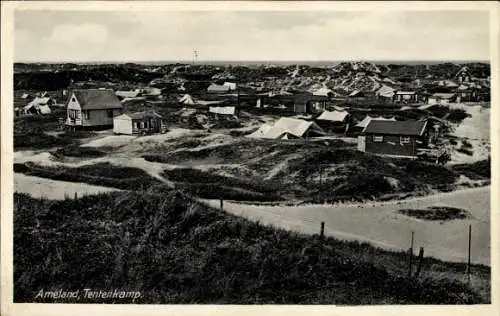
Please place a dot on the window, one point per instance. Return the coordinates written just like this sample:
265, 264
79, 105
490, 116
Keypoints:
110, 112
86, 114
74, 114
378, 139
404, 140
135, 125
141, 124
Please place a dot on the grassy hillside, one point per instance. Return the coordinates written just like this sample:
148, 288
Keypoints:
174, 250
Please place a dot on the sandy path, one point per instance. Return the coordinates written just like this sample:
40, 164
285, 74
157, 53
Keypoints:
381, 225
53, 189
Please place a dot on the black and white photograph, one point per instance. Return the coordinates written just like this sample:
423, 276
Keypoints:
251, 156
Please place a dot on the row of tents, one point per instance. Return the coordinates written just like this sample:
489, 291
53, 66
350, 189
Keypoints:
289, 128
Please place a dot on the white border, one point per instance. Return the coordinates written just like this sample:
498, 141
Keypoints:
6, 125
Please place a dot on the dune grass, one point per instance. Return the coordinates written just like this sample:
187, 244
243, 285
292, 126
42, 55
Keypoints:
177, 251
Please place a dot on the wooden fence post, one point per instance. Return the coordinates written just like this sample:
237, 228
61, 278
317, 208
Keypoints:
468, 259
76, 196
410, 252
221, 204
420, 261
322, 232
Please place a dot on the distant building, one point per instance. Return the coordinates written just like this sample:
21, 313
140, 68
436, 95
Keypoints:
303, 103
222, 110
405, 97
216, 88
138, 123
394, 138
442, 98
467, 94
92, 109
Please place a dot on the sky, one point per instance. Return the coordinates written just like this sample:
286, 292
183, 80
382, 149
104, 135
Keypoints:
127, 36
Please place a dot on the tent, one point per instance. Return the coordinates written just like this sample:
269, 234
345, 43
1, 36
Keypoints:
335, 116
128, 94
261, 131
40, 105
218, 88
386, 91
286, 128
323, 92
187, 99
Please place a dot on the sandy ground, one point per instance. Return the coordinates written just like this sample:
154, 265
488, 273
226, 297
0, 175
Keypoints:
476, 129
381, 225
52, 189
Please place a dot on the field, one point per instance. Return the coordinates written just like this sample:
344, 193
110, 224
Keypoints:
175, 250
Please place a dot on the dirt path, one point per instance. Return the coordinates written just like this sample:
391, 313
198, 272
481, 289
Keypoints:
154, 169
381, 224
53, 189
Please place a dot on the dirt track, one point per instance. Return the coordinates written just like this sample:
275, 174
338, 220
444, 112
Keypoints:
381, 225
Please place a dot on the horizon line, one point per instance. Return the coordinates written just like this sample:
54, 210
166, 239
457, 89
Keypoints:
185, 61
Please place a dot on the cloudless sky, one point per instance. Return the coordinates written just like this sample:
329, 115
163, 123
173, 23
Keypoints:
84, 36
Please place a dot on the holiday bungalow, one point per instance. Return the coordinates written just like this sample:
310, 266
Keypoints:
303, 103
405, 97
92, 109
146, 122
394, 138
442, 98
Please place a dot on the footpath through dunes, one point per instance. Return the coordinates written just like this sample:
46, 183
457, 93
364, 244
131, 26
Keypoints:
382, 225
53, 189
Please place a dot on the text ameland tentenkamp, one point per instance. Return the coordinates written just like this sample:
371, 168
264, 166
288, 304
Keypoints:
87, 294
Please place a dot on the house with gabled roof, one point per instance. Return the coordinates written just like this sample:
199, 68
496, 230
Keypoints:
144, 122
394, 138
92, 109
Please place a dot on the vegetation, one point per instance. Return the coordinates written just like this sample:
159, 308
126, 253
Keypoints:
74, 150
476, 171
104, 174
212, 186
176, 251
437, 213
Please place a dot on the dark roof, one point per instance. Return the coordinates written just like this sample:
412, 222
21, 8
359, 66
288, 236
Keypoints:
406, 128
143, 115
302, 98
97, 99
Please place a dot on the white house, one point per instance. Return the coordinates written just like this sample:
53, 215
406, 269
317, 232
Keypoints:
92, 108
138, 123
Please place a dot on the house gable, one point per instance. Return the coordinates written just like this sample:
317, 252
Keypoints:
73, 103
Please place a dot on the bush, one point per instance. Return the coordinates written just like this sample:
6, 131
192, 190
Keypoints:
74, 150
437, 213
476, 171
